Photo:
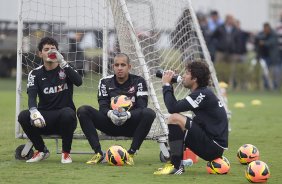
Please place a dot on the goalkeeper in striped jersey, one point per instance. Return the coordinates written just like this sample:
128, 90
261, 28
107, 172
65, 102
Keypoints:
206, 134
55, 113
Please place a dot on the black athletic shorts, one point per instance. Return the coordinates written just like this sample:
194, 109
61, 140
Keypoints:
197, 140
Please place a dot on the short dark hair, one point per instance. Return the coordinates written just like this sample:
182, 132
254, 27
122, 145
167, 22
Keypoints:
213, 13
49, 41
121, 54
266, 24
200, 70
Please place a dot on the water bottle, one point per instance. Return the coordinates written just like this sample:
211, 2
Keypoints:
175, 79
51, 56
187, 163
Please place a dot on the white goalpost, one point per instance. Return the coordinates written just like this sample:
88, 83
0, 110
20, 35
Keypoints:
155, 34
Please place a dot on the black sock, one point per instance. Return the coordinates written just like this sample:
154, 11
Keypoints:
98, 150
175, 139
45, 150
176, 161
131, 151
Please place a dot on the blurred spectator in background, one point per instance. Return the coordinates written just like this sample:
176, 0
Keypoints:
182, 33
76, 54
184, 36
267, 48
243, 38
227, 42
203, 22
214, 21
240, 67
279, 34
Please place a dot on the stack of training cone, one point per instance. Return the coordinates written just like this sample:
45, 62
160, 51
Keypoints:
188, 154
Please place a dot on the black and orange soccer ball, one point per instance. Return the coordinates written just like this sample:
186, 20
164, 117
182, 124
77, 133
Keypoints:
247, 153
116, 155
218, 166
121, 102
257, 172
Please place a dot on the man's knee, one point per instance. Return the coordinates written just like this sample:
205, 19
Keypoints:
147, 112
174, 118
68, 112
82, 110
24, 117
68, 116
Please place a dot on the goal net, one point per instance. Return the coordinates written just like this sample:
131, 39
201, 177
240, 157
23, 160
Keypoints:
154, 33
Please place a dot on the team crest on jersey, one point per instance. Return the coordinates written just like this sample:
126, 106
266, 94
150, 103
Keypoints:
62, 74
131, 89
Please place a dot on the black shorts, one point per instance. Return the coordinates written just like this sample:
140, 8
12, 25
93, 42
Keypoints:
57, 121
101, 122
203, 146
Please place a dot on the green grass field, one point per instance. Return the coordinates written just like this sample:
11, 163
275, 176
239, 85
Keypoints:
258, 125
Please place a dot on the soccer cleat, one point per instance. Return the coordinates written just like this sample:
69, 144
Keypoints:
169, 169
97, 158
66, 159
130, 160
37, 156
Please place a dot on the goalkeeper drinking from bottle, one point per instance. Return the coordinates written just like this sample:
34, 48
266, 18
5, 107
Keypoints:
135, 122
206, 134
55, 113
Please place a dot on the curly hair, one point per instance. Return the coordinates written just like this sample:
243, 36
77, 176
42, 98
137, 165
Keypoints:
49, 41
199, 70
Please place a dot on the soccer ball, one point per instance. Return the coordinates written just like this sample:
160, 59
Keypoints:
121, 102
218, 166
116, 155
257, 172
247, 153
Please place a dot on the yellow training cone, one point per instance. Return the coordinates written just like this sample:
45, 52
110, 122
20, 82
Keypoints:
256, 102
239, 105
223, 85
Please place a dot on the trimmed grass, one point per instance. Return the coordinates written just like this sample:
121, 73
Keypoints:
258, 125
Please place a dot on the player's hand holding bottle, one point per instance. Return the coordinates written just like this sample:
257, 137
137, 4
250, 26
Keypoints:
56, 56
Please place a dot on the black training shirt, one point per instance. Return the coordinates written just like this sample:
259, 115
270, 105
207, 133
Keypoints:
54, 87
208, 110
135, 88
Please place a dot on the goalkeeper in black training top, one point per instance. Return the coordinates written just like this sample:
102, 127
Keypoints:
55, 113
134, 123
206, 134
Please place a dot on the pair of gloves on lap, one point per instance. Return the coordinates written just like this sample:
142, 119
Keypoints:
118, 117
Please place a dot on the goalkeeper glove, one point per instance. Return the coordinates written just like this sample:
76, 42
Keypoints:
37, 119
59, 58
124, 116
113, 115
118, 118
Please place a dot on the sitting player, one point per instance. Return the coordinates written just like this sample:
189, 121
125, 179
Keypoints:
206, 134
134, 123
55, 113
